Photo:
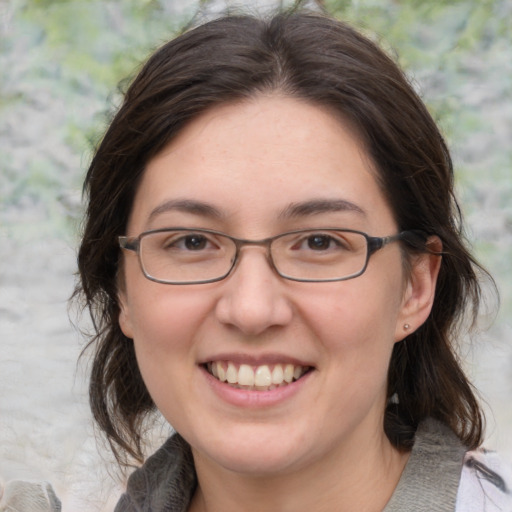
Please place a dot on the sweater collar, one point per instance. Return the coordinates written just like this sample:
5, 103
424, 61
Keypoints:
167, 481
430, 479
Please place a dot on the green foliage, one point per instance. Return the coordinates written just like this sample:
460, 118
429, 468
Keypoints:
61, 62
105, 40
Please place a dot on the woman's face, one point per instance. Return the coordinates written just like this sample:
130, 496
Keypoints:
254, 170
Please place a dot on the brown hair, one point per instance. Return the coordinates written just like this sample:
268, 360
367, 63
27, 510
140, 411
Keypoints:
327, 63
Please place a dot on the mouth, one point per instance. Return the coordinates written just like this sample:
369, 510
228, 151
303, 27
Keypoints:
258, 378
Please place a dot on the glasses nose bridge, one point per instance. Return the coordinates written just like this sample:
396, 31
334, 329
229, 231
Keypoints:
264, 243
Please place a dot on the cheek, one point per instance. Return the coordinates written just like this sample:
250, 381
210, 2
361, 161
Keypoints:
166, 321
166, 329
354, 314
356, 320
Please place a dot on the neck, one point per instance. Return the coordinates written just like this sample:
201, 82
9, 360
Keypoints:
361, 478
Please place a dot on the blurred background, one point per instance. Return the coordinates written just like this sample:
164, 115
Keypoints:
62, 64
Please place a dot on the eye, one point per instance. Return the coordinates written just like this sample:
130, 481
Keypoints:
188, 242
194, 242
320, 242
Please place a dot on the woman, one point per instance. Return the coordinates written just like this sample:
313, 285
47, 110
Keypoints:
273, 258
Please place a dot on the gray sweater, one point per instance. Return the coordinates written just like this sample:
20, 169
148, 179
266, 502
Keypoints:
430, 480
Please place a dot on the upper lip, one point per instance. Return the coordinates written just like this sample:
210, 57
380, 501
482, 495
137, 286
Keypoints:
256, 360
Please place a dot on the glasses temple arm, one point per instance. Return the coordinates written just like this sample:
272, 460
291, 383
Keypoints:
129, 243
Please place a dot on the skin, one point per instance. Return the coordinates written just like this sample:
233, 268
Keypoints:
323, 446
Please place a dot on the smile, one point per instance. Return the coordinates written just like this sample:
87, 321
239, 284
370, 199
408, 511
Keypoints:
258, 378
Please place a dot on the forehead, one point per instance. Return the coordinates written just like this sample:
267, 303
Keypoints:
256, 158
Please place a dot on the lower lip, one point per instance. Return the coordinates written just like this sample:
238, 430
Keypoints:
254, 399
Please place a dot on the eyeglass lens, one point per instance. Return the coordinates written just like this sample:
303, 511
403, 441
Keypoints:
179, 256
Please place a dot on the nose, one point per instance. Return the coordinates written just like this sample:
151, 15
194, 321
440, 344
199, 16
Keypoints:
253, 298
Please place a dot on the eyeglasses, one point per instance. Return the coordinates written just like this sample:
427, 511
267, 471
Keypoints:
195, 256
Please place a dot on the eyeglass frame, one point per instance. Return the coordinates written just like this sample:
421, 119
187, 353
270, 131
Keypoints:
373, 244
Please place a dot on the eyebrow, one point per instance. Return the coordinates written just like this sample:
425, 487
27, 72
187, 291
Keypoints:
317, 206
293, 210
187, 206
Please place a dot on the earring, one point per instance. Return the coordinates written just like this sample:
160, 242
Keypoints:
407, 327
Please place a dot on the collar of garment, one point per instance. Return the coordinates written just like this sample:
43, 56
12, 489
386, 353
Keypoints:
167, 481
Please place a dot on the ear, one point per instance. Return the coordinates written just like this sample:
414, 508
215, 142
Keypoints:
125, 321
420, 289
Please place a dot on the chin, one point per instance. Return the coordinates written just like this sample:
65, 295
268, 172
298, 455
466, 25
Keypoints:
256, 463
252, 453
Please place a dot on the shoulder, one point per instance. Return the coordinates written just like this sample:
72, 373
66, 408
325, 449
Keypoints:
164, 483
442, 475
485, 483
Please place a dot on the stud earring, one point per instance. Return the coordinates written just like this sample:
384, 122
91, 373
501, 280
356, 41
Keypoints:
407, 327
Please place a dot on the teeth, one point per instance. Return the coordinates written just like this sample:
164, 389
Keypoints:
261, 378
277, 374
288, 373
221, 373
232, 374
246, 375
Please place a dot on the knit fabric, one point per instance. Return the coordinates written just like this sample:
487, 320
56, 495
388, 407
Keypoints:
431, 477
165, 483
440, 476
